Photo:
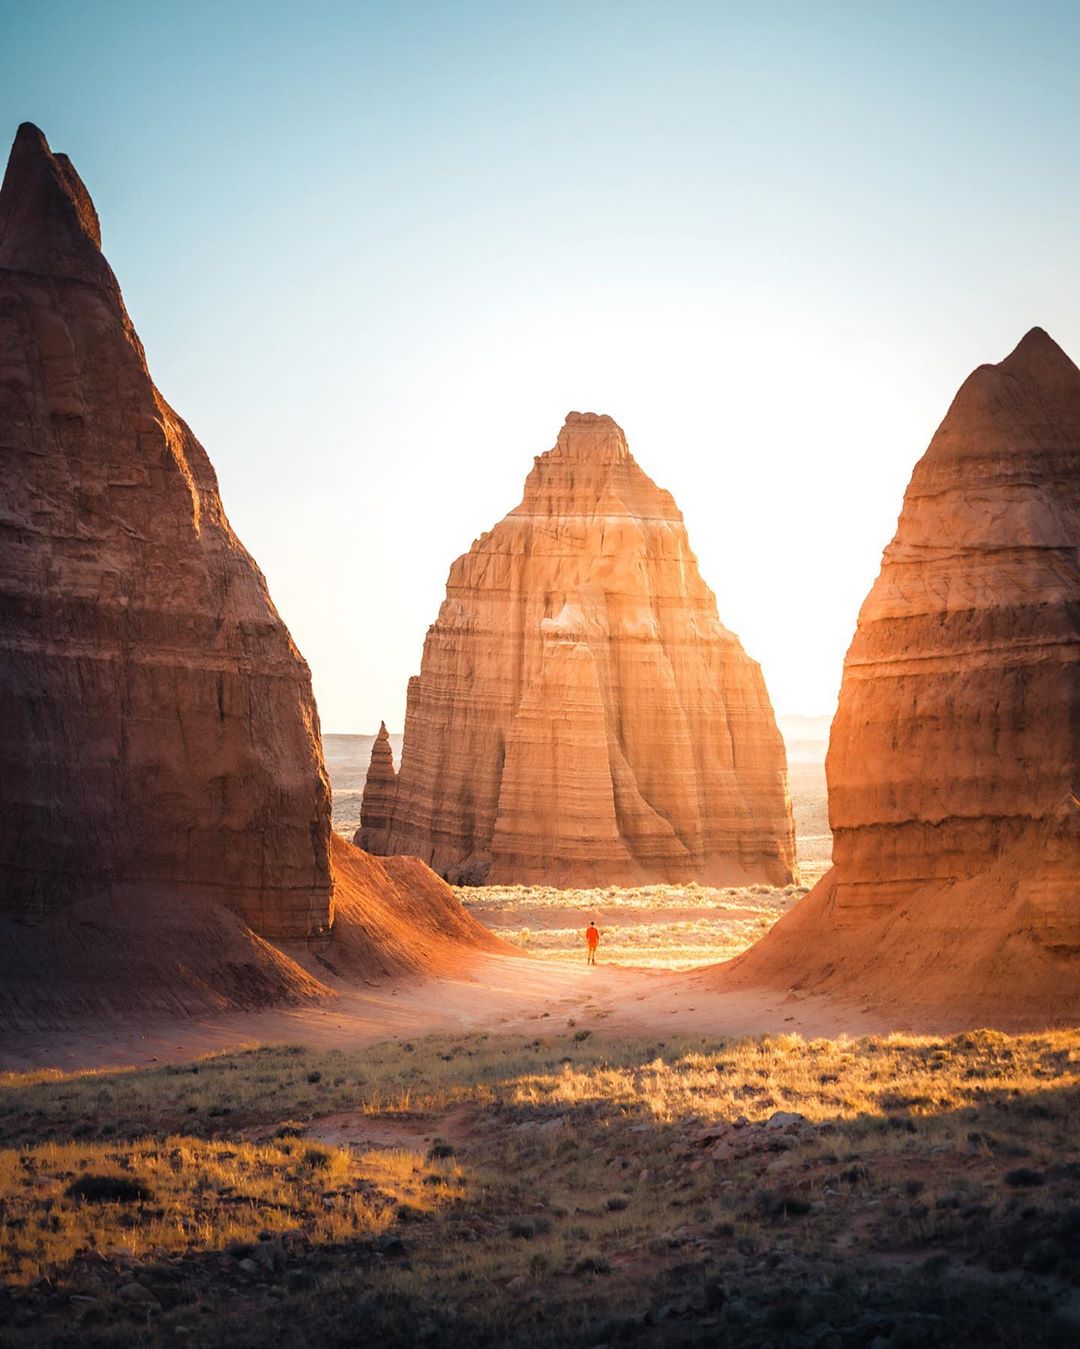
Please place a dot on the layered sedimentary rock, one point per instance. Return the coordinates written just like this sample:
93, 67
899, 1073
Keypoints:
157, 731
954, 758
581, 715
379, 790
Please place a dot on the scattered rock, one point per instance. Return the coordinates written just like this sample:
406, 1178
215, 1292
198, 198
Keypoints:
136, 1292
787, 1119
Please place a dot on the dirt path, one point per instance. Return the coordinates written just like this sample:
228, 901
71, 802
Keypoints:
496, 993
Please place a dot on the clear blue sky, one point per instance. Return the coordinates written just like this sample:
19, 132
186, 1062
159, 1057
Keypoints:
377, 252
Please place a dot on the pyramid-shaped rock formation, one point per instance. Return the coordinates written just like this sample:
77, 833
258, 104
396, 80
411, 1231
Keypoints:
954, 757
157, 728
164, 808
581, 715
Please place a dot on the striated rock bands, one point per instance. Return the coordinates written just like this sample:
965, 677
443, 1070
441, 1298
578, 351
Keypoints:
958, 732
157, 729
377, 806
581, 715
954, 757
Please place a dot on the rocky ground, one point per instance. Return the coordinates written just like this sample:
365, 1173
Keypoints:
571, 1188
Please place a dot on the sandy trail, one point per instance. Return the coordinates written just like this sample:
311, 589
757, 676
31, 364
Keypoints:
497, 993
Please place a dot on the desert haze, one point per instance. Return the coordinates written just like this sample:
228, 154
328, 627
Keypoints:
592, 1003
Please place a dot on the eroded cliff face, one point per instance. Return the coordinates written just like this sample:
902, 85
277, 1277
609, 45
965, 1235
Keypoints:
958, 731
581, 715
157, 730
954, 757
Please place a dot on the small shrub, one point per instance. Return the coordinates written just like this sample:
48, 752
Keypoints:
109, 1190
592, 1264
1023, 1177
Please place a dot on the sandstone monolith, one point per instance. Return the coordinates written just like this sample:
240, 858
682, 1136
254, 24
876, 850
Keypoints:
581, 715
954, 758
157, 729
164, 808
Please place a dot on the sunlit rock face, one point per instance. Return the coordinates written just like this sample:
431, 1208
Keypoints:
954, 758
957, 739
157, 729
581, 715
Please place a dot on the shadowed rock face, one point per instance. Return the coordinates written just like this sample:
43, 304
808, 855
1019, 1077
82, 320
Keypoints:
954, 757
157, 729
581, 715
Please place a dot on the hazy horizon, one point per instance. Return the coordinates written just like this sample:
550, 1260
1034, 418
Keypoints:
376, 256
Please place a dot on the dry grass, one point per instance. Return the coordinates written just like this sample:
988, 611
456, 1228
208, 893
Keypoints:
588, 1190
198, 1195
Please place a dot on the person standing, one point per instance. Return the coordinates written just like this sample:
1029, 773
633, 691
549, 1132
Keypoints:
592, 940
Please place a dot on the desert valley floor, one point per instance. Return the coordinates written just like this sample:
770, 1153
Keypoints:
654, 937
535, 1152
656, 926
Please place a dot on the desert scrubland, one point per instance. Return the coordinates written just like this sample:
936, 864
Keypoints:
567, 1187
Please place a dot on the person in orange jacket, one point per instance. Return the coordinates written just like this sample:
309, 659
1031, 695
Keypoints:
592, 940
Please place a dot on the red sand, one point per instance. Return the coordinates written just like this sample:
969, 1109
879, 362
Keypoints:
494, 992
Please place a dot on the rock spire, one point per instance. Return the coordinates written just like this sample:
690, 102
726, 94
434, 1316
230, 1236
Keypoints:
377, 805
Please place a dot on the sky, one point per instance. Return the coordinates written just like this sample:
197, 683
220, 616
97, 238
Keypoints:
376, 252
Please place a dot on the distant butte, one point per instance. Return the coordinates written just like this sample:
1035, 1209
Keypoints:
581, 715
954, 758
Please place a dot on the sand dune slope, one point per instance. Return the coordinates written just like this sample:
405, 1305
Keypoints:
392, 917
1001, 949
150, 956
